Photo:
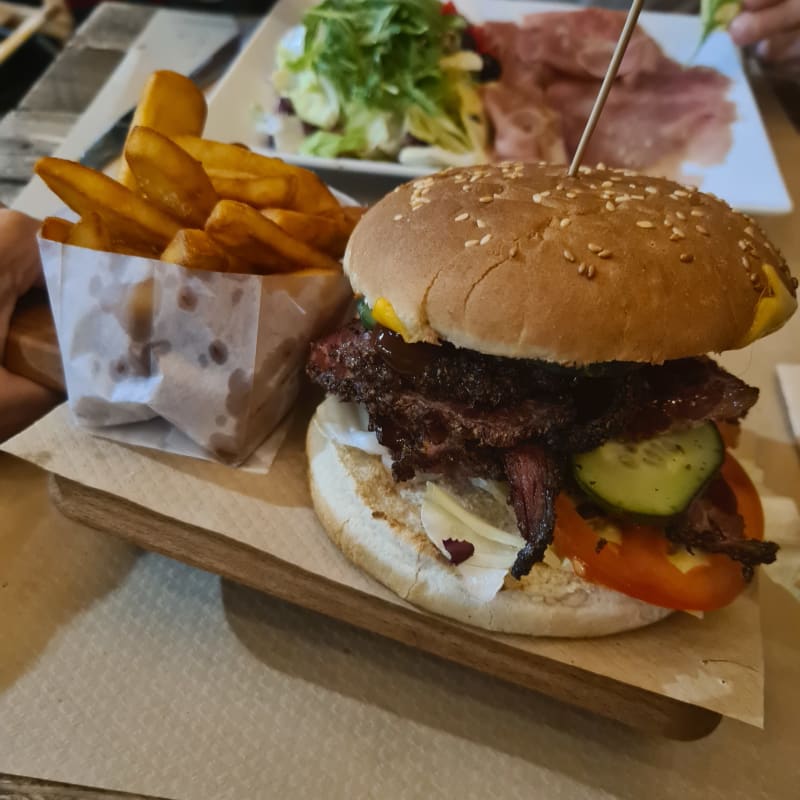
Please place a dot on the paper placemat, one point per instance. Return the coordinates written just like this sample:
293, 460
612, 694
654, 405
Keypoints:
133, 672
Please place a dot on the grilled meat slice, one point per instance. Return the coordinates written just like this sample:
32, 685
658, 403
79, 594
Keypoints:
711, 523
535, 478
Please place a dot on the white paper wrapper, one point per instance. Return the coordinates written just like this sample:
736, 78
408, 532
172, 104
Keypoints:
216, 355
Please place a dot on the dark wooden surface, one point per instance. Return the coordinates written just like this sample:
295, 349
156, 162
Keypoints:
44, 117
36, 128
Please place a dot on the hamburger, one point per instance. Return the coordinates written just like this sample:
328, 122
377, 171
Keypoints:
524, 431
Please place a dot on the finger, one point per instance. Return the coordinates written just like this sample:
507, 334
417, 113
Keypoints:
757, 5
19, 253
22, 402
753, 26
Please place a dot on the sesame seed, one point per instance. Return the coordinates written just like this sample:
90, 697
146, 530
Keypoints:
564, 222
606, 184
465, 188
537, 198
637, 196
397, 217
680, 215
745, 262
605, 254
749, 231
753, 277
695, 212
644, 223
581, 268
743, 244
701, 229
513, 251
667, 221
487, 198
470, 243
621, 198
679, 233
610, 206
631, 185
601, 165
571, 195
568, 255
594, 248
462, 216
546, 194
480, 223
486, 238
559, 186
675, 237
651, 189
590, 272
686, 258
680, 193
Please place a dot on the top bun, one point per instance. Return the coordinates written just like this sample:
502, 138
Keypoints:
520, 260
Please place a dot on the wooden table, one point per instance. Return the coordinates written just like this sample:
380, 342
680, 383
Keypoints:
46, 115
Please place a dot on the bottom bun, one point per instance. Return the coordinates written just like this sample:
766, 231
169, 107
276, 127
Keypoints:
376, 523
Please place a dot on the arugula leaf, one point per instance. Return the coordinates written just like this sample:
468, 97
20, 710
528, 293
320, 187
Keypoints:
717, 14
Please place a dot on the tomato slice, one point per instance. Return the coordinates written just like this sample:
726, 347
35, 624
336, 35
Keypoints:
639, 565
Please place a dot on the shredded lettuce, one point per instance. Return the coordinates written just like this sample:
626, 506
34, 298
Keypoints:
367, 73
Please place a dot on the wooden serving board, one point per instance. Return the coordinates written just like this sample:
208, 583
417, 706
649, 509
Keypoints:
495, 655
31, 346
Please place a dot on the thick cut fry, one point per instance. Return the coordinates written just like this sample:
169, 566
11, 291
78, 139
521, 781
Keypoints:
128, 217
90, 232
246, 233
55, 229
328, 234
229, 173
277, 192
351, 214
169, 177
196, 250
170, 104
311, 195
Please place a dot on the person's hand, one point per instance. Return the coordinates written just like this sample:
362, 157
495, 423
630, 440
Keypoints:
772, 25
21, 401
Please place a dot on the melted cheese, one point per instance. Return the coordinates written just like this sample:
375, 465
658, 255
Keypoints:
383, 312
773, 308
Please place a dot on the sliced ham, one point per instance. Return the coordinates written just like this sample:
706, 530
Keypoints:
668, 113
551, 66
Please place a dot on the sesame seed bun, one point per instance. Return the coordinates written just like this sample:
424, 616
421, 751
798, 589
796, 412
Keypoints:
523, 261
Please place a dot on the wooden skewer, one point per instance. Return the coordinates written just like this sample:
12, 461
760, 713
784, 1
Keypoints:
605, 88
27, 28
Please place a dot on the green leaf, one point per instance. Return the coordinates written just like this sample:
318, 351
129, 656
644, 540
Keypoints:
716, 15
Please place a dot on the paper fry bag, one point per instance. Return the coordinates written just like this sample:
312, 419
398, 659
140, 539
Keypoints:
217, 355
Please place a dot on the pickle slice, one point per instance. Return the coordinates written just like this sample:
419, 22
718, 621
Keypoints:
656, 477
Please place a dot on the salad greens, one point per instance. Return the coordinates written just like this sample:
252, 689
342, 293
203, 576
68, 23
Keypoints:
369, 74
716, 14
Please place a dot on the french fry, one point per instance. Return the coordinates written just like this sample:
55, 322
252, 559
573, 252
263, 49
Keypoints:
351, 214
275, 192
129, 218
196, 250
329, 234
249, 235
170, 104
169, 177
55, 229
90, 232
311, 195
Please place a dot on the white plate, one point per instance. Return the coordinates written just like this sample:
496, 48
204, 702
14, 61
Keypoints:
748, 178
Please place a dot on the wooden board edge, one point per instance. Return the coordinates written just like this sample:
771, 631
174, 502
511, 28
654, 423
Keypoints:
638, 708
